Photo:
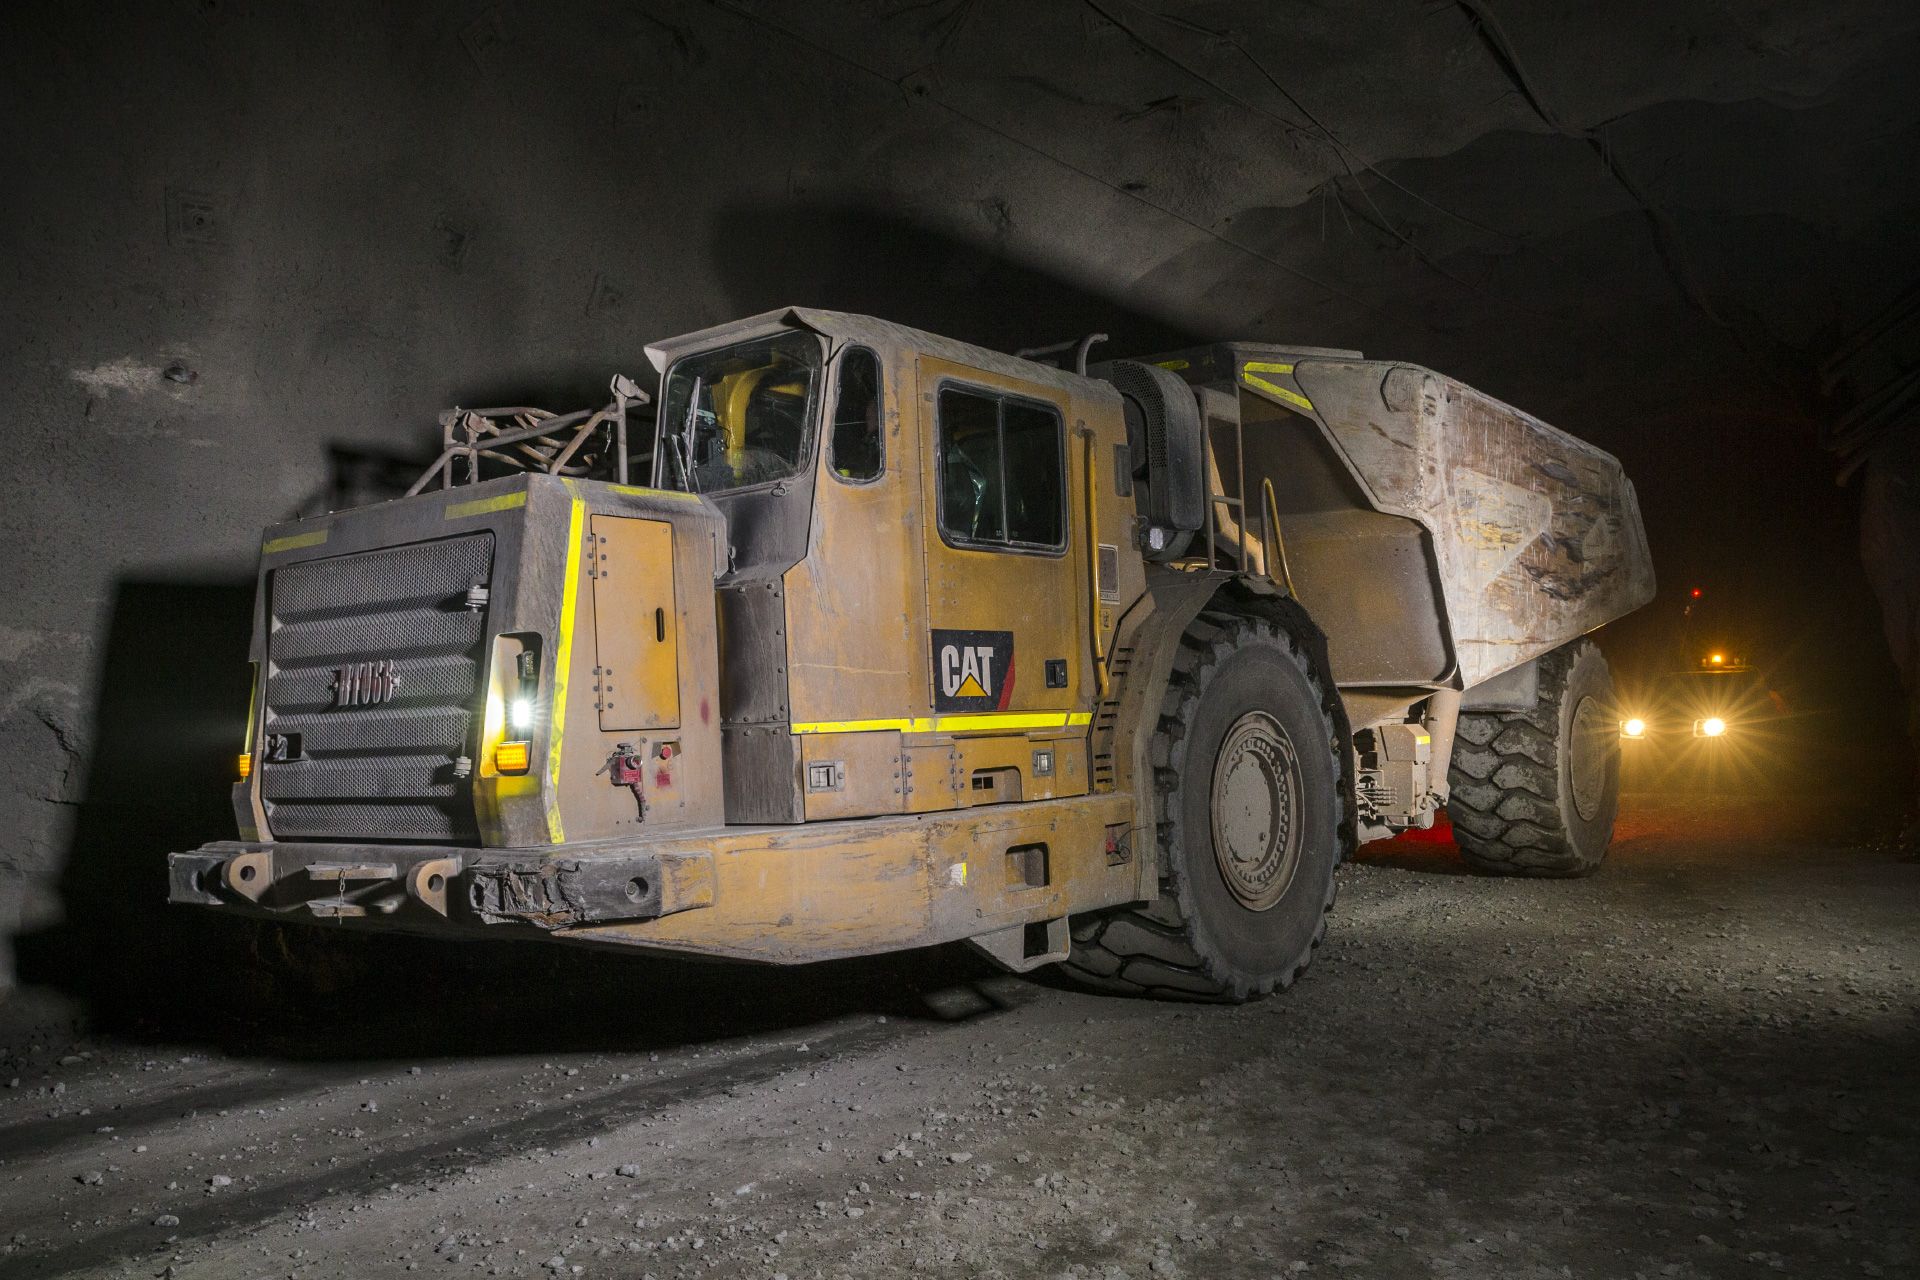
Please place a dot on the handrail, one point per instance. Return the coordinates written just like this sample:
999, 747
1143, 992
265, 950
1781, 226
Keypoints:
1101, 678
484, 438
1270, 526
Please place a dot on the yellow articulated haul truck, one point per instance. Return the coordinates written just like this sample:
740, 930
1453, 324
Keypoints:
898, 641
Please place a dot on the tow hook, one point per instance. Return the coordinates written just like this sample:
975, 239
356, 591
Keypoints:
624, 768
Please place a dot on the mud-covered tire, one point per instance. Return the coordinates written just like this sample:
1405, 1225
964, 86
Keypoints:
1535, 793
1245, 743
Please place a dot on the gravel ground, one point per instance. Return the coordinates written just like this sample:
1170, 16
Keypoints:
1699, 1063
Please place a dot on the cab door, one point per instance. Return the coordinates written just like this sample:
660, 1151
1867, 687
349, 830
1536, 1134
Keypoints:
1007, 610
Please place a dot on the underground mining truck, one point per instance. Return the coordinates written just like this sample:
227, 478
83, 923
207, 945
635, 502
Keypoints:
903, 642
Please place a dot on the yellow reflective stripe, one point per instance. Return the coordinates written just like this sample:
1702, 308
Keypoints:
635, 491
1262, 366
1291, 397
1013, 720
1175, 365
294, 541
562, 661
863, 726
481, 506
253, 702
981, 720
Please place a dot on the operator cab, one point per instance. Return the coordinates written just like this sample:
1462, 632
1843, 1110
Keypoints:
913, 608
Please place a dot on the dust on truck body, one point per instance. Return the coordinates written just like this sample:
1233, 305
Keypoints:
908, 642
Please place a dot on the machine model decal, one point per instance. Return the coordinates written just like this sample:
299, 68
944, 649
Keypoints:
364, 684
972, 670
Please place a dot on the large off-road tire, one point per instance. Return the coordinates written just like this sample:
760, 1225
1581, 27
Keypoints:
1248, 776
1534, 793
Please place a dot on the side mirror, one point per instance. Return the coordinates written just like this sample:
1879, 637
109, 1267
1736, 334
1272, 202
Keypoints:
1166, 442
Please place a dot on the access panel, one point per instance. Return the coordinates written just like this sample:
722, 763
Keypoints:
635, 625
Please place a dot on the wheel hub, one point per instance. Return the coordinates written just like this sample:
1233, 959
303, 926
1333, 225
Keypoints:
1591, 742
1256, 811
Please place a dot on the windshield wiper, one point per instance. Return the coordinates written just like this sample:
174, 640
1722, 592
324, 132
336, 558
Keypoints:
684, 463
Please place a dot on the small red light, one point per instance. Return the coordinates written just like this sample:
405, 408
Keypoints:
1695, 593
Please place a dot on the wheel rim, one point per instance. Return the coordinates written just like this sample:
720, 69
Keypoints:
1256, 811
1588, 768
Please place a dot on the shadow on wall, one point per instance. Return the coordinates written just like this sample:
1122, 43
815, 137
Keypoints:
358, 476
168, 717
847, 258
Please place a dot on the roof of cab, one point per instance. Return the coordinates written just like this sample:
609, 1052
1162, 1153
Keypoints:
841, 327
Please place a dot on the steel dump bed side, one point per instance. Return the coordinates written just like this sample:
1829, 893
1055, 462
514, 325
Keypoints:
1440, 536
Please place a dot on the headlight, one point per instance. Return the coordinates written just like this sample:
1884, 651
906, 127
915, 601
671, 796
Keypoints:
520, 714
1634, 728
1711, 727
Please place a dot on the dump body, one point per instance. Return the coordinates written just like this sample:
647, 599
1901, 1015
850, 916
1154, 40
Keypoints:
1439, 536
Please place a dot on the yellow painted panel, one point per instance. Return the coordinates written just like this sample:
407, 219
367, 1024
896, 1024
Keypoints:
635, 624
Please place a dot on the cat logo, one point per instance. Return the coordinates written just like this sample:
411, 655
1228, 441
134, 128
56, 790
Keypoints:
972, 670
966, 670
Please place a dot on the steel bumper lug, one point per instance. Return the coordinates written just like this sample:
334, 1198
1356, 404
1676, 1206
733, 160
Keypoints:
428, 882
247, 875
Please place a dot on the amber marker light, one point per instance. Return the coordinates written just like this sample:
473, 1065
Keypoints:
1717, 659
1634, 728
246, 765
512, 757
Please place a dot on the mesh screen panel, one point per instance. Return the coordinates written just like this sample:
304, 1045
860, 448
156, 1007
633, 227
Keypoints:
376, 662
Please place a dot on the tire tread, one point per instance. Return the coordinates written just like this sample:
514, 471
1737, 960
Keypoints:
1151, 949
1504, 782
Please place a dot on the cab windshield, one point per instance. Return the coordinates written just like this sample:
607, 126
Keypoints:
738, 416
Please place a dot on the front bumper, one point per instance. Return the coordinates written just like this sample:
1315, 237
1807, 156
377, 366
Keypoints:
779, 895
433, 885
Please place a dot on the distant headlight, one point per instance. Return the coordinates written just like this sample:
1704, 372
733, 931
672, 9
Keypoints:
1711, 727
520, 714
1634, 728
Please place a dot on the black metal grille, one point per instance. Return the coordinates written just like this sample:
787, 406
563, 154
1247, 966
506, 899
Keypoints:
382, 766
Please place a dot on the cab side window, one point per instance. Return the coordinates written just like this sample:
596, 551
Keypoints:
854, 444
1002, 471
